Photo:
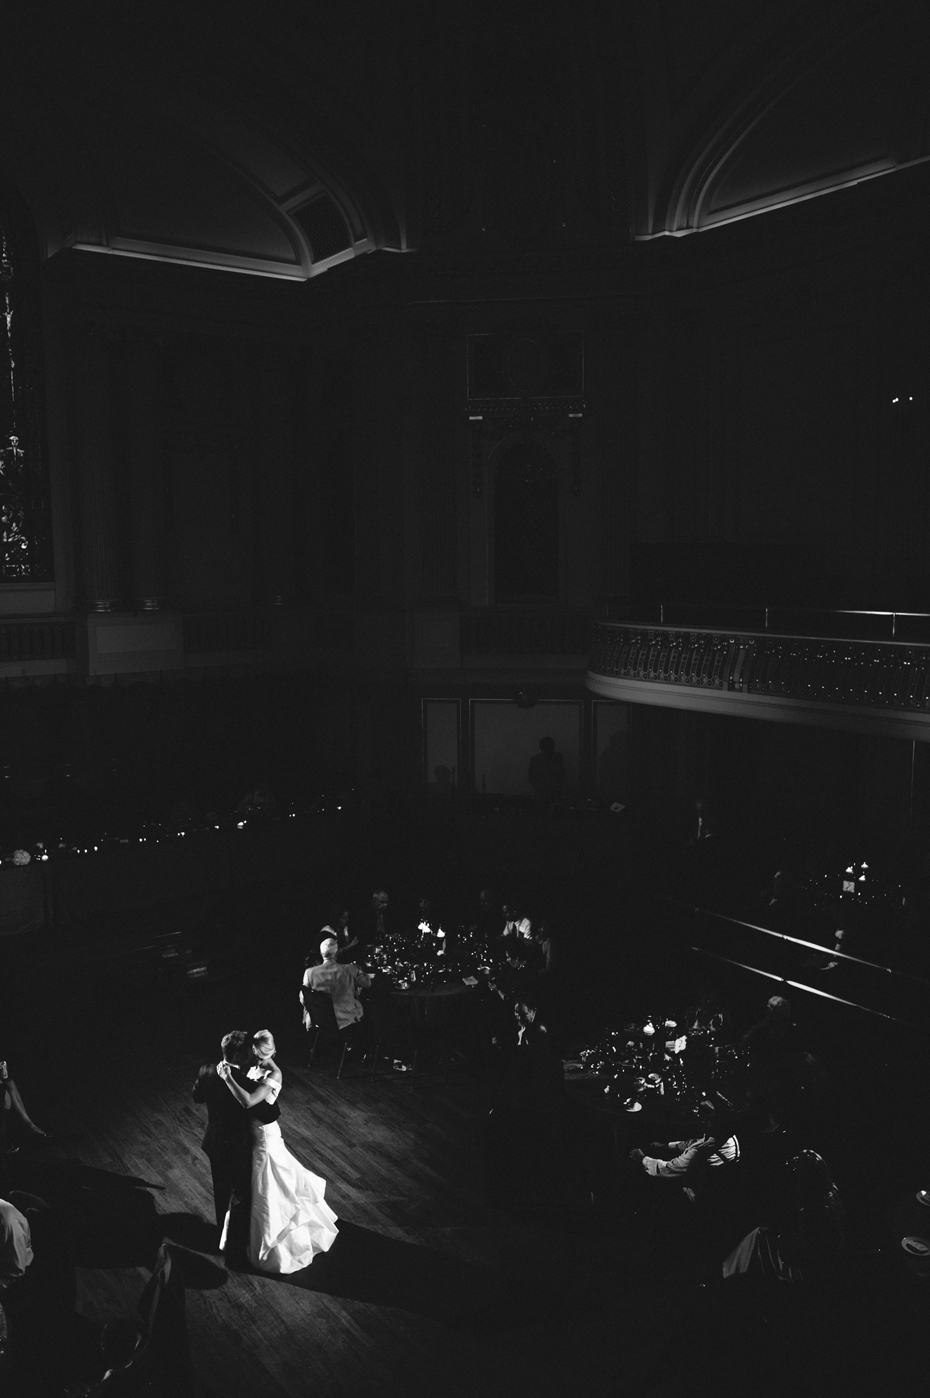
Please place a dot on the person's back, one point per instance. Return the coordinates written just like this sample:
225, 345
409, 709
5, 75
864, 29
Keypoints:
224, 1115
340, 981
489, 918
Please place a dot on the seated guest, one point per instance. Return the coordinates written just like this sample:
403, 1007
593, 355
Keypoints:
342, 982
806, 1241
16, 1255
15, 1244
343, 929
516, 979
693, 1159
13, 1106
548, 944
517, 929
37, 1284
705, 1016
774, 1034
485, 924
374, 926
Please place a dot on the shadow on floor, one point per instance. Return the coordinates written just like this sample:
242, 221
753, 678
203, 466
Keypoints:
366, 1266
191, 1231
112, 1219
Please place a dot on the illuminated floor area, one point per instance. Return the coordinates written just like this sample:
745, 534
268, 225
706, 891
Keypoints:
432, 1286
427, 1289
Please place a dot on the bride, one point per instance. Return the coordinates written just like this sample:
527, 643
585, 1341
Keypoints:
290, 1221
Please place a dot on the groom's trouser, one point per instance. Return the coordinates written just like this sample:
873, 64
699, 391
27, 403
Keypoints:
232, 1192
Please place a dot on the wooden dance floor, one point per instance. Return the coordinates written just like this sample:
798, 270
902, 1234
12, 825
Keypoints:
427, 1289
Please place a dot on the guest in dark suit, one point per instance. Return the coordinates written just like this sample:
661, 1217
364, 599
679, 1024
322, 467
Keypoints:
489, 919
526, 1160
374, 926
227, 1142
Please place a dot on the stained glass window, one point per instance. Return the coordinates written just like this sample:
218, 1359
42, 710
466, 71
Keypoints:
25, 543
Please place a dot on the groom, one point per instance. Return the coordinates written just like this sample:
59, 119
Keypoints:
227, 1142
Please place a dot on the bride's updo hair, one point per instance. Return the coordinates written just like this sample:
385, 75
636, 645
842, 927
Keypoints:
263, 1043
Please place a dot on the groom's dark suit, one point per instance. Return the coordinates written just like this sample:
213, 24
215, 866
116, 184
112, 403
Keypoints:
227, 1143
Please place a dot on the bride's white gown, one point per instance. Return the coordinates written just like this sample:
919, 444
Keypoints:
290, 1220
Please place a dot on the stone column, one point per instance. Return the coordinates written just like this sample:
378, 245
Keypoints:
143, 389
95, 348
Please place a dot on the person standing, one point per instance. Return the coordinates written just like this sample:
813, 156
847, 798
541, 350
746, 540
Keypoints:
546, 772
11, 1104
226, 1141
290, 1222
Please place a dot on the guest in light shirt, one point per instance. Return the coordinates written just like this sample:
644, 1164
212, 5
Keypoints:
342, 982
15, 1244
516, 928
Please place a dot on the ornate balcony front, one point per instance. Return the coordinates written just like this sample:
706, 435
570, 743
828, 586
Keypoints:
880, 686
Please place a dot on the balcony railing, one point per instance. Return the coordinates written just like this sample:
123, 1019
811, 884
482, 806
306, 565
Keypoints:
877, 686
26, 642
818, 622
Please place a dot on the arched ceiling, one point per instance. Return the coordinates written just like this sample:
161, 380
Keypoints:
181, 133
282, 138
743, 106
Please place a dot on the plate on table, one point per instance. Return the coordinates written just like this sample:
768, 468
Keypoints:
917, 1247
923, 1197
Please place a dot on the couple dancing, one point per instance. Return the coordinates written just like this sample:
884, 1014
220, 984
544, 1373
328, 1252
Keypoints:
269, 1208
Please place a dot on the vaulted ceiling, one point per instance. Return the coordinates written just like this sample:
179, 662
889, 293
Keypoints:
285, 137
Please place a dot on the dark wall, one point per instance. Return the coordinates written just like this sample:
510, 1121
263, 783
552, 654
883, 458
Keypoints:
785, 795
73, 752
753, 418
247, 444
785, 439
